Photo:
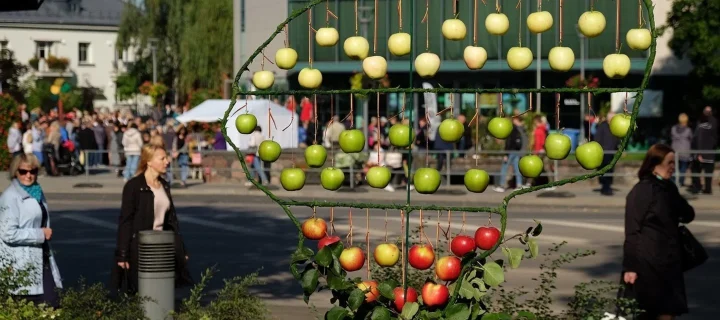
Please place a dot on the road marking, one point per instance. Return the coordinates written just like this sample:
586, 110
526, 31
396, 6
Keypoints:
592, 226
223, 226
88, 220
703, 223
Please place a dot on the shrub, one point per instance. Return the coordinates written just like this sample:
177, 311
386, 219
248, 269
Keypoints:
89, 302
8, 105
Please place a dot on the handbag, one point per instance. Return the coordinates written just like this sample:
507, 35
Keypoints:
693, 253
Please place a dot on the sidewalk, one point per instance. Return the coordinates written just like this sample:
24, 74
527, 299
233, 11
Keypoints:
581, 194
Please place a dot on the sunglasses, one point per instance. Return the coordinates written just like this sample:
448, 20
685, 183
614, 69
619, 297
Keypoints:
23, 172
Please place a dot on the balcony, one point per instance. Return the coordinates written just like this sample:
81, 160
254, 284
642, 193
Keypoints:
52, 67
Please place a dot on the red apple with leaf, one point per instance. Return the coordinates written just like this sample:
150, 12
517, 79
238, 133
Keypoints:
486, 237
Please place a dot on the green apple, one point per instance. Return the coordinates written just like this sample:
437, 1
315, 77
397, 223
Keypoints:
269, 151
399, 44
557, 146
401, 135
426, 180
451, 130
245, 123
519, 58
639, 39
263, 79
352, 141
616, 65
476, 180
332, 178
292, 179
591, 23
315, 156
378, 177
620, 124
454, 29
500, 127
531, 166
357, 48
589, 155
286, 58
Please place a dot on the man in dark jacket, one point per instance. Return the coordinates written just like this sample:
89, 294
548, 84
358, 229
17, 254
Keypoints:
609, 143
705, 138
514, 144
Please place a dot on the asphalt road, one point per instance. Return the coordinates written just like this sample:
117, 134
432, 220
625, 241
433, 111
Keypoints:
242, 235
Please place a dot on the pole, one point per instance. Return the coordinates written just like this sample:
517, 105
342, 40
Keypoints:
366, 104
156, 272
237, 61
538, 72
582, 80
154, 57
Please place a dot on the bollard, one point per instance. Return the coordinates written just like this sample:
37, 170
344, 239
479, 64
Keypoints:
156, 272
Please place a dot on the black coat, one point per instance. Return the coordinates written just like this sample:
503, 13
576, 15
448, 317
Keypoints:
137, 214
653, 211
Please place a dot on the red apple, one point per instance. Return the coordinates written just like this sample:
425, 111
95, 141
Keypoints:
352, 259
434, 295
400, 297
448, 268
326, 241
486, 237
374, 293
421, 256
314, 228
461, 245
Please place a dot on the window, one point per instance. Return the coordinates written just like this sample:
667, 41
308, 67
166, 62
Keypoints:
84, 53
4, 50
43, 49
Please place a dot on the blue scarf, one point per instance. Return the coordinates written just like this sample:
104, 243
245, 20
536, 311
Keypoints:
34, 190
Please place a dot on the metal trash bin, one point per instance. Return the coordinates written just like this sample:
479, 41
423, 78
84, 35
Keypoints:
156, 272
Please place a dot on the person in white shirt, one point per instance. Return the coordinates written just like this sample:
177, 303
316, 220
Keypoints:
14, 139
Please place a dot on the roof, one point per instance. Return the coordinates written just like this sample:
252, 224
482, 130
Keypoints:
69, 12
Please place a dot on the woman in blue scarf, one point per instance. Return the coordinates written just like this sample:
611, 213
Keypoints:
25, 233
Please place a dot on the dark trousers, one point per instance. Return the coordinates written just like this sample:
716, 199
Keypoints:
707, 169
441, 159
606, 180
50, 296
682, 169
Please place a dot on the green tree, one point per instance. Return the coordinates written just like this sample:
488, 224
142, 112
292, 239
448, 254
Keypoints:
10, 73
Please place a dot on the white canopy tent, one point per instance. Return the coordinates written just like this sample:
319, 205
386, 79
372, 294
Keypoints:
214, 110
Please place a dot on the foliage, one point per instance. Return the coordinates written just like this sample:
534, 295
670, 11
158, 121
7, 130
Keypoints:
9, 114
361, 81
34, 62
38, 95
72, 99
10, 73
198, 96
154, 90
94, 302
126, 86
576, 81
57, 63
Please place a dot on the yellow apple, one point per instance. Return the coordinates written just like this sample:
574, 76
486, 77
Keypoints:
327, 37
399, 43
475, 57
454, 29
310, 78
286, 58
519, 58
539, 22
616, 65
375, 67
591, 23
639, 39
497, 24
263, 79
357, 48
561, 58
427, 64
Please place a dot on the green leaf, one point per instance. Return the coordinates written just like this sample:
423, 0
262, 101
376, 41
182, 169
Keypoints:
409, 310
337, 249
294, 271
301, 255
525, 315
466, 289
538, 229
336, 313
380, 313
356, 299
533, 246
476, 311
471, 275
514, 255
324, 257
386, 290
493, 275
336, 282
336, 267
481, 289
467, 257
496, 316
309, 280
457, 312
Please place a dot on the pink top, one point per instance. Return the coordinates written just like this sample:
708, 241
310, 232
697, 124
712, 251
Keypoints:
162, 205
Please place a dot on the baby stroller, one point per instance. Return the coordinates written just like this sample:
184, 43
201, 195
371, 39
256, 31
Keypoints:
65, 163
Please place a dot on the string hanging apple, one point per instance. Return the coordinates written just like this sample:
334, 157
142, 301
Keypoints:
427, 64
375, 67
401, 135
327, 37
497, 24
378, 177
331, 178
310, 78
561, 59
620, 125
269, 151
400, 43
531, 166
286, 58
476, 180
475, 57
386, 254
451, 130
292, 179
246, 123
519, 58
557, 146
352, 259
454, 29
356, 47
589, 155
314, 228
426, 180
500, 127
616, 65
639, 39
539, 22
263, 79
352, 141
315, 156
591, 23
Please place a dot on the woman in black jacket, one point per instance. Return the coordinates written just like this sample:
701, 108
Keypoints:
652, 253
147, 205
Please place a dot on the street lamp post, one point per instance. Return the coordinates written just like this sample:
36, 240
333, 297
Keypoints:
582, 80
364, 21
153, 47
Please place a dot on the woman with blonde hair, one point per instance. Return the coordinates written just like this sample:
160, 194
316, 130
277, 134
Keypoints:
147, 205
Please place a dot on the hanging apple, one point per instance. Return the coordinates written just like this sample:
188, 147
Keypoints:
356, 48
371, 287
591, 23
454, 29
451, 130
434, 295
315, 156
475, 57
310, 78
332, 178
327, 37
426, 180
427, 64
561, 59
352, 141
500, 127
519, 58
375, 67
476, 180
378, 177
401, 135
462, 245
557, 146
421, 256
620, 125
539, 22
400, 299
292, 179
386, 254
448, 268
589, 155
269, 151
245, 123
616, 65
400, 44
497, 24
286, 58
314, 228
531, 166
352, 259
638, 39
327, 240
263, 79
486, 237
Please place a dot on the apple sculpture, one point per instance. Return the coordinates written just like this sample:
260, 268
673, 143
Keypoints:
454, 29
486, 237
400, 44
434, 295
519, 58
352, 259
561, 59
372, 290
531, 166
401, 135
356, 48
375, 67
315, 156
400, 299
476, 180
386, 254
557, 146
292, 179
497, 24
451, 130
448, 268
616, 65
427, 64
639, 39
500, 127
589, 155
263, 79
327, 37
539, 22
328, 240
245, 123
620, 124
421, 257
462, 245
269, 151
475, 57
286, 58
314, 228
332, 178
426, 180
351, 141
310, 78
378, 177
591, 23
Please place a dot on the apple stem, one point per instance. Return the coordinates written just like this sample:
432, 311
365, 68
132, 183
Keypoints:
425, 19
590, 110
475, 22
462, 229
519, 7
292, 116
316, 119
557, 111
386, 229
539, 5
367, 240
375, 31
617, 26
625, 110
379, 132
560, 24
310, 33
350, 233
404, 247
399, 9
640, 14
437, 238
448, 228
332, 220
